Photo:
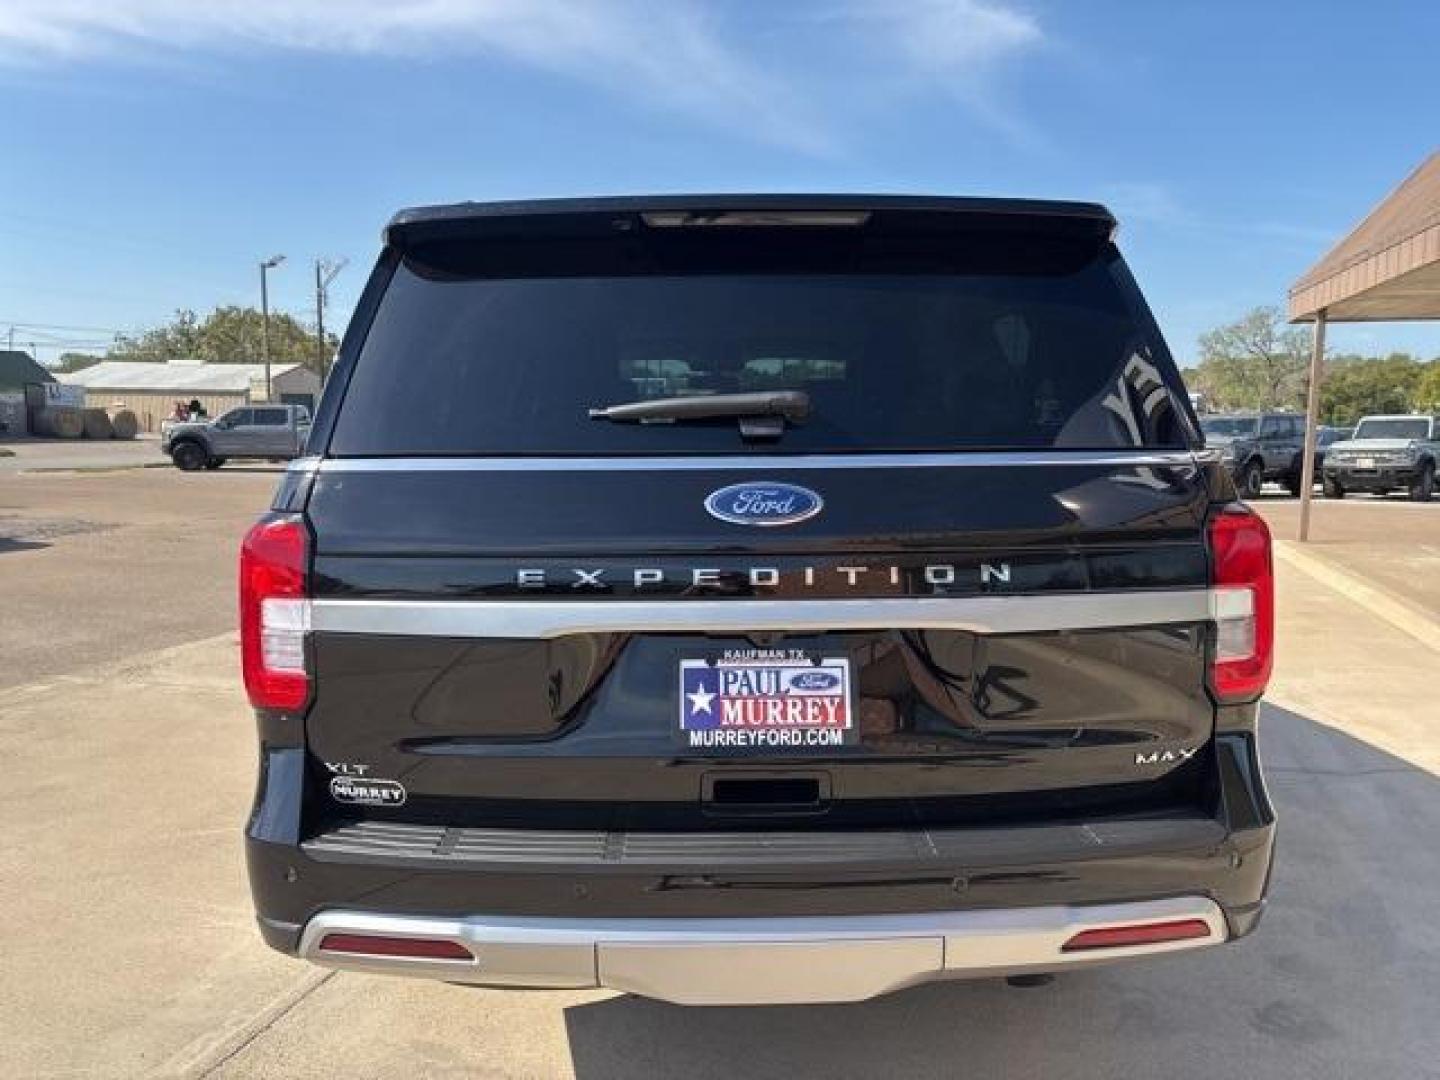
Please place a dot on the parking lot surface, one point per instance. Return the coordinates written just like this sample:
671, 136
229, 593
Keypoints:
29, 454
130, 949
95, 566
1392, 543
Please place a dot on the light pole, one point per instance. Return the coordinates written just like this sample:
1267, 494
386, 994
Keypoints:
268, 264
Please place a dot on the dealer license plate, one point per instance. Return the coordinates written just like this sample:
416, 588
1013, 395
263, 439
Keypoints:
765, 699
1365, 463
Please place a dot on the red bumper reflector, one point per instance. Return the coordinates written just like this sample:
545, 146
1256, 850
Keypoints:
376, 945
1113, 937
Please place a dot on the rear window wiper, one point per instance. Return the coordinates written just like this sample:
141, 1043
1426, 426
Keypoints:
762, 414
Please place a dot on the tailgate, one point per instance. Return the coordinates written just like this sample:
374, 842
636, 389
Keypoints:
984, 636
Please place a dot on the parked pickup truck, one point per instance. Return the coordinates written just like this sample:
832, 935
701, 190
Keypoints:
1385, 453
275, 432
755, 599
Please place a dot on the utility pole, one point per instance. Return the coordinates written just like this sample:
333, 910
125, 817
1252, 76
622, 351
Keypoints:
325, 271
268, 264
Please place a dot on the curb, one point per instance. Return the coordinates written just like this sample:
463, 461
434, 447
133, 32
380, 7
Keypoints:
1404, 616
126, 467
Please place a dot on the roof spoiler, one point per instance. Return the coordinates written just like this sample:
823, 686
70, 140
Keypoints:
602, 217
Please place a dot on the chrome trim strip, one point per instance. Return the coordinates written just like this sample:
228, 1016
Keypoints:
737, 961
1027, 614
766, 462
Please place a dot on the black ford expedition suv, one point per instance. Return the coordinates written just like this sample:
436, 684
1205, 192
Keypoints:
755, 599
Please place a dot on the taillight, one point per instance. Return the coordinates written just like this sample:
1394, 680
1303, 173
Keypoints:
1243, 605
1118, 937
274, 613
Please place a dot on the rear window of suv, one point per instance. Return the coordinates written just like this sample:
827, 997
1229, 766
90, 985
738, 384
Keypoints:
1416, 427
461, 360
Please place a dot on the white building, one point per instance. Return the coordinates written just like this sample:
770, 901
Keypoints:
151, 390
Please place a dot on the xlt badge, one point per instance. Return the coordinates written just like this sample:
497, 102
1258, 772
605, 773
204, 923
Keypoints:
764, 503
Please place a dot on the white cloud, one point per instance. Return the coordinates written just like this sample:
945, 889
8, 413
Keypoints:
667, 55
954, 38
731, 67
963, 46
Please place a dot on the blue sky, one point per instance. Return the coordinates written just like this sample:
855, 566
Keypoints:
156, 149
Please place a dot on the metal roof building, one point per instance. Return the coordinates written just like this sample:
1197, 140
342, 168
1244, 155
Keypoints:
151, 390
18, 369
1387, 268
196, 378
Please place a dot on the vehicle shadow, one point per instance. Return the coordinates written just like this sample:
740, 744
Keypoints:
1340, 980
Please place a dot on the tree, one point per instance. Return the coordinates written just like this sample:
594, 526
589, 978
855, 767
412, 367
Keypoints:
177, 340
228, 335
1256, 362
1357, 386
1427, 388
75, 361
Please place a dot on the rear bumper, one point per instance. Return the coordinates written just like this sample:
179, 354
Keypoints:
735, 961
669, 914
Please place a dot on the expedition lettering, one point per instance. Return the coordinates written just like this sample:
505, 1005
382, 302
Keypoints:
761, 577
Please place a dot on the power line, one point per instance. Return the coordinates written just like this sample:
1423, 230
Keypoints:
51, 336
26, 324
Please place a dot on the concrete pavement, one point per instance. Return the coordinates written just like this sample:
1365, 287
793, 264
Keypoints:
1354, 670
127, 937
96, 566
1391, 543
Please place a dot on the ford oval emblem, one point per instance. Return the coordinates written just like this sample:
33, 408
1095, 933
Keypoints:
763, 503
815, 680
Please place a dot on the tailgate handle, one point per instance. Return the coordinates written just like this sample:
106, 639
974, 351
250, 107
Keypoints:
766, 793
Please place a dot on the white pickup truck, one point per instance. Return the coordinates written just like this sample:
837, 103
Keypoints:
274, 432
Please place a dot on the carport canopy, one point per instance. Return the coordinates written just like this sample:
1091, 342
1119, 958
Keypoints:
1386, 269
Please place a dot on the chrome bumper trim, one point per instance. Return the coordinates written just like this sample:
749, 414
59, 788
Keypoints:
1117, 459
1027, 614
758, 961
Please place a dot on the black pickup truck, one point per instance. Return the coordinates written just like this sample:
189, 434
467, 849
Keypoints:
755, 599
